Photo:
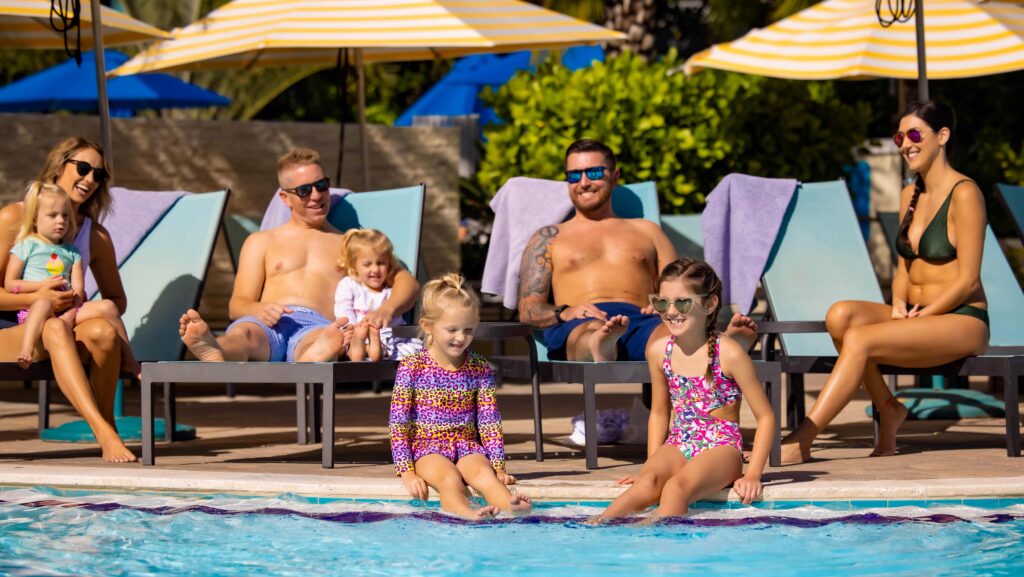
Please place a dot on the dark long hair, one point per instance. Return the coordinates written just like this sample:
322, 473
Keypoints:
937, 114
704, 281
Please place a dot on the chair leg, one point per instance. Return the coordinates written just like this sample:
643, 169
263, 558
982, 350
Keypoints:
300, 413
327, 449
170, 412
317, 419
775, 396
26, 384
378, 386
646, 394
590, 422
230, 390
44, 404
538, 426
796, 400
1011, 400
148, 440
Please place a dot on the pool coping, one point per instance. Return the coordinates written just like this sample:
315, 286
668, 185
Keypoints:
179, 480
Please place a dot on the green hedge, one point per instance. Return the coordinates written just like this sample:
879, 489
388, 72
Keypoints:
684, 132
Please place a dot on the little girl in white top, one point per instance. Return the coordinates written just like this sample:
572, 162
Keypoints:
367, 256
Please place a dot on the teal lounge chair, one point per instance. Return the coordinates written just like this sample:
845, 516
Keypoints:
1012, 199
629, 201
685, 233
163, 276
819, 258
397, 213
237, 228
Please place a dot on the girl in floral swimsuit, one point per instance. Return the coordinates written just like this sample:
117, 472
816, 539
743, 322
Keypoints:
694, 444
445, 426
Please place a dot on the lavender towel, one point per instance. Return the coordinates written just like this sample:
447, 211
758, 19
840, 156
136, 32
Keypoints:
740, 223
132, 215
522, 206
278, 212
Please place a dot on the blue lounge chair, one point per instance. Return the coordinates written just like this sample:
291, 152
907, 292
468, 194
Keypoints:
819, 258
1012, 199
397, 213
629, 201
237, 228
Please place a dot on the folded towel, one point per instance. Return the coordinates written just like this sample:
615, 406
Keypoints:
278, 212
132, 215
740, 223
522, 206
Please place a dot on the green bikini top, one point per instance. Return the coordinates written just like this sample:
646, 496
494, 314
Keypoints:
934, 244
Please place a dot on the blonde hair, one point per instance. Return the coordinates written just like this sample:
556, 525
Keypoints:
36, 191
298, 157
447, 292
373, 239
99, 202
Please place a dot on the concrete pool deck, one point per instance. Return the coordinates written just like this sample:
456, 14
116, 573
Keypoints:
247, 445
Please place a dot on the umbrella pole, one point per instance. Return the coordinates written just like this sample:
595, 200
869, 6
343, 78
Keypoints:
361, 81
342, 107
922, 72
101, 83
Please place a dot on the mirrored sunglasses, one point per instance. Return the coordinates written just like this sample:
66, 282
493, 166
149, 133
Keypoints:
304, 190
593, 173
661, 305
915, 136
84, 168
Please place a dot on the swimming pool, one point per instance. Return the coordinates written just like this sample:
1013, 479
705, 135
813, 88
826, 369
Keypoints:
54, 532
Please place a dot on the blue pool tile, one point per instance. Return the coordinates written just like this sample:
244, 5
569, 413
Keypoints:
982, 503
942, 502
869, 504
1010, 502
780, 505
833, 505
906, 503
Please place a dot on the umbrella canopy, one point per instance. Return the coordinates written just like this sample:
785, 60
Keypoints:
843, 39
26, 24
247, 33
68, 86
250, 33
457, 94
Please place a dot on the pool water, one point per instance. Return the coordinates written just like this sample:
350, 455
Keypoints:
52, 532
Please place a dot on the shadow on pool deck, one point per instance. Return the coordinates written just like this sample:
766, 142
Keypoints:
255, 433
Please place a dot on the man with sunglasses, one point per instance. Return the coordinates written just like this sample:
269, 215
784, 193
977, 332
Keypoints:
586, 281
283, 299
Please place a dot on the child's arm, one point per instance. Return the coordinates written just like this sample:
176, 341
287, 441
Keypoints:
736, 364
13, 281
661, 403
399, 426
345, 301
488, 420
78, 282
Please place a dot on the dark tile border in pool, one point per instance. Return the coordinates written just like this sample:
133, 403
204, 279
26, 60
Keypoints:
778, 505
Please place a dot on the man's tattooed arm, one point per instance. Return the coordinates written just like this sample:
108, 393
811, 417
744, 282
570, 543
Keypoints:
535, 280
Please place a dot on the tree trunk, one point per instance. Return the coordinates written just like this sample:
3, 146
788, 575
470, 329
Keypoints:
634, 18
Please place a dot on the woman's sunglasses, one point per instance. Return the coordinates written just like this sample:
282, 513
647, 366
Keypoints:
304, 190
683, 305
84, 168
593, 173
915, 136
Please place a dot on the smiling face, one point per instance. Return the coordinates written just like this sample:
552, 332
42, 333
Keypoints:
53, 219
591, 196
371, 267
78, 187
313, 209
696, 319
919, 156
452, 333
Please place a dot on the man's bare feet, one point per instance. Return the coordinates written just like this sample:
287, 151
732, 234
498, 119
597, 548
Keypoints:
604, 341
890, 417
25, 357
519, 503
196, 335
114, 450
793, 453
357, 350
327, 344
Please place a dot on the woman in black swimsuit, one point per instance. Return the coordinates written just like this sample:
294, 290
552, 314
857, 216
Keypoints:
938, 312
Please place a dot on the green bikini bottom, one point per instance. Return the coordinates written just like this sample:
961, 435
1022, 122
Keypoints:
968, 310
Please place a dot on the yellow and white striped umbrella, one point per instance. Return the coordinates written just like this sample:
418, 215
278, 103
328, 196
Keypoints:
843, 39
247, 33
26, 24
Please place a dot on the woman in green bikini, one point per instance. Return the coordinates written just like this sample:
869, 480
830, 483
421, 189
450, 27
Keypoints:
938, 312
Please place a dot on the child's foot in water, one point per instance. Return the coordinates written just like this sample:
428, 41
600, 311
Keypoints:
519, 504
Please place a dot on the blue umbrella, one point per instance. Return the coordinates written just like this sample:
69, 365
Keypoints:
67, 86
457, 94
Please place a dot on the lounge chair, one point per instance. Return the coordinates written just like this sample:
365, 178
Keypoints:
1012, 199
820, 258
237, 228
398, 214
629, 201
163, 276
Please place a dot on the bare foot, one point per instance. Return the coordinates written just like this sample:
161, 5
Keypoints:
25, 357
604, 341
196, 335
373, 351
114, 450
328, 343
794, 454
742, 330
890, 417
129, 364
519, 504
357, 351
485, 512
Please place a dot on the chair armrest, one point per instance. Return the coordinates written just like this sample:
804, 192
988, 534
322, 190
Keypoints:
790, 327
487, 330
